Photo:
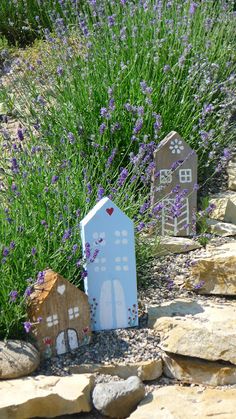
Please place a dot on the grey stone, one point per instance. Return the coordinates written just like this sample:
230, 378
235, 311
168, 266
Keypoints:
220, 228
118, 399
17, 359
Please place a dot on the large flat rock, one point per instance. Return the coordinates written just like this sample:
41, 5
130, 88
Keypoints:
175, 402
198, 371
145, 370
215, 270
199, 329
45, 397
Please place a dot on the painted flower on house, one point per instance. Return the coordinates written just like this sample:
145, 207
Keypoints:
176, 146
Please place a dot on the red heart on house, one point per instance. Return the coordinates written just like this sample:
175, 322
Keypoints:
109, 210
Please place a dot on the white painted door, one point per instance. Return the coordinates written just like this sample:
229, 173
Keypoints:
120, 306
105, 306
72, 339
61, 343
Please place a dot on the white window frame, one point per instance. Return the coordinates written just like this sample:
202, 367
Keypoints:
185, 175
52, 320
73, 312
165, 176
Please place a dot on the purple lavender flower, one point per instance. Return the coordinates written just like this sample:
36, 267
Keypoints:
5, 251
12, 245
28, 291
111, 20
103, 112
138, 126
13, 187
144, 207
20, 134
166, 68
101, 192
44, 223
33, 251
95, 253
199, 285
87, 250
54, 179
192, 8
66, 235
111, 157
59, 70
27, 326
40, 277
78, 212
140, 226
13, 295
71, 137
84, 274
122, 178
102, 128
74, 248
227, 154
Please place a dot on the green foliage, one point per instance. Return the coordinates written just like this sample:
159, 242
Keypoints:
96, 99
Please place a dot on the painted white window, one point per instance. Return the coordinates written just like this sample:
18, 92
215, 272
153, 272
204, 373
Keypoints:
121, 263
165, 176
100, 265
185, 175
99, 238
121, 237
52, 320
73, 312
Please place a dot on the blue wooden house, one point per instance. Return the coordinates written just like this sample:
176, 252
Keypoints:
111, 283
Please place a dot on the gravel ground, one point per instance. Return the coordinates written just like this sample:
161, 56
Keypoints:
162, 279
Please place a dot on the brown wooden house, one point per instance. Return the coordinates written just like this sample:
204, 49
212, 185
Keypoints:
174, 186
60, 314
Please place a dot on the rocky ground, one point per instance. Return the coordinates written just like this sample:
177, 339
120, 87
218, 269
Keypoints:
162, 279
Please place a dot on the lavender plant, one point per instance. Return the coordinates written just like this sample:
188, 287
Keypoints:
93, 102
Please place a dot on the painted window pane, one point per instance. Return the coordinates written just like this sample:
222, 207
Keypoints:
185, 175
73, 312
165, 176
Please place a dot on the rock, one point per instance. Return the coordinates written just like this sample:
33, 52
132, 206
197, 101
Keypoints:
17, 359
168, 245
231, 170
145, 370
45, 397
175, 402
225, 207
117, 399
215, 273
220, 228
199, 329
198, 371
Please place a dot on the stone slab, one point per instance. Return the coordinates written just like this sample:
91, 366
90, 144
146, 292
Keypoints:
45, 397
145, 370
215, 270
175, 402
194, 370
198, 329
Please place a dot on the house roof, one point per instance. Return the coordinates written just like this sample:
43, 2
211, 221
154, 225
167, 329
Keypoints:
173, 135
107, 204
41, 291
